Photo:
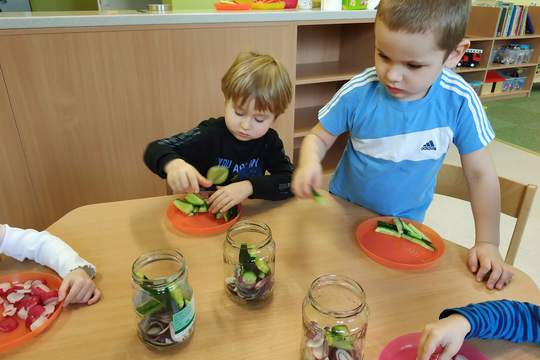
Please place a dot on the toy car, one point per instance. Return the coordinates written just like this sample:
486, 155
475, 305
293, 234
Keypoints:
471, 58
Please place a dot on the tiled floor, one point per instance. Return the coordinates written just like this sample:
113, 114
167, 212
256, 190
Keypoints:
511, 163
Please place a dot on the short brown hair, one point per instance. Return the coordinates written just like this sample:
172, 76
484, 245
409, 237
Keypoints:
446, 18
259, 77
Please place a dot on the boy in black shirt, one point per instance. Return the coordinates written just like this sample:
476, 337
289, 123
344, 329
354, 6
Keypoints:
257, 90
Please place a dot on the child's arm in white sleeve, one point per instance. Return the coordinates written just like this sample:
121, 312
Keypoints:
43, 248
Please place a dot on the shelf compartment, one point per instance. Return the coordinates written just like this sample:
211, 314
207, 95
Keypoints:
505, 95
327, 53
304, 120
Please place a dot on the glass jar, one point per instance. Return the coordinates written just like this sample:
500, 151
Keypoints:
163, 299
335, 317
249, 258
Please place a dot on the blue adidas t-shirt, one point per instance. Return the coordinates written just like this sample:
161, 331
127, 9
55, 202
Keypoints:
395, 147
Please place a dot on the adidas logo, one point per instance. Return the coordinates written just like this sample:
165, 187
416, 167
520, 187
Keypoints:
429, 146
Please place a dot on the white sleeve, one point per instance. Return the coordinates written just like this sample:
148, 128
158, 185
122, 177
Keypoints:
43, 248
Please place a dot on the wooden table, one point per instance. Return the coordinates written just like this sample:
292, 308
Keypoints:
311, 240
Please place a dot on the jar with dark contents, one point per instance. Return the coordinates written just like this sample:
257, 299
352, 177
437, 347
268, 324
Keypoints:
163, 299
249, 258
335, 317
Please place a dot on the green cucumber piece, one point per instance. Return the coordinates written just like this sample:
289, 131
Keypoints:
262, 265
184, 207
399, 225
317, 197
218, 215
249, 278
340, 330
148, 307
384, 230
421, 234
194, 199
176, 294
383, 224
419, 242
203, 208
217, 174
226, 216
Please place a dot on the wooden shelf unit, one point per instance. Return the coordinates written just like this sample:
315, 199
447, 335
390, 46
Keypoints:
327, 56
482, 34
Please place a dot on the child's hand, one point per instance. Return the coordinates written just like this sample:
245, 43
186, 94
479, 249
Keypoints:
228, 196
448, 333
79, 288
485, 258
306, 179
184, 178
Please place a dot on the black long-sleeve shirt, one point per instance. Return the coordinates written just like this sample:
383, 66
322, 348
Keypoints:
211, 143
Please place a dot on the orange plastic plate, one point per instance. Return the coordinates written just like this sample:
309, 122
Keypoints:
22, 335
199, 224
396, 252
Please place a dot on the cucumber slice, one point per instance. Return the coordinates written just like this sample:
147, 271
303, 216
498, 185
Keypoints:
249, 278
148, 307
317, 197
262, 265
203, 208
419, 242
387, 225
217, 174
419, 233
184, 207
341, 330
177, 296
194, 200
387, 231
399, 225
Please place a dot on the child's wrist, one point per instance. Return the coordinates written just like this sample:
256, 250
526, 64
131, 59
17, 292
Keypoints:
173, 163
462, 322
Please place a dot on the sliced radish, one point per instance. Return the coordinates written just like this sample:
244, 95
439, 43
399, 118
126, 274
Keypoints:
23, 291
49, 309
22, 313
28, 284
4, 287
1, 300
49, 297
38, 322
8, 324
33, 314
15, 297
9, 309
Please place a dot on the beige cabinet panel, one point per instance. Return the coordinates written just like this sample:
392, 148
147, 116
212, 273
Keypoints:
88, 102
17, 200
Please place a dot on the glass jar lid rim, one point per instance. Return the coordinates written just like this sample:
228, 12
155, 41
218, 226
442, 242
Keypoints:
244, 223
333, 279
156, 255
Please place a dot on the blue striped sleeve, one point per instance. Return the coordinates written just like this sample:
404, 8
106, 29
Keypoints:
504, 319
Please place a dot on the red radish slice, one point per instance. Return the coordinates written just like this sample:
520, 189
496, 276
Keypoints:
38, 322
15, 297
8, 324
9, 309
4, 287
27, 284
49, 309
28, 301
22, 313
23, 291
49, 297
33, 314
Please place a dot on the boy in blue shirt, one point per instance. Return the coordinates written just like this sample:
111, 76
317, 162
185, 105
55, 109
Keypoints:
401, 117
504, 320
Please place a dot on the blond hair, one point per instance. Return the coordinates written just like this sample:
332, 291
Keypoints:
446, 18
258, 77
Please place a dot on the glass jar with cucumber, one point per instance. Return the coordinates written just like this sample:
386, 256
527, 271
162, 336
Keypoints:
163, 299
249, 258
335, 317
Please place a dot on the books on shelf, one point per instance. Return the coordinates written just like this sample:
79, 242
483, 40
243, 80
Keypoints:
514, 20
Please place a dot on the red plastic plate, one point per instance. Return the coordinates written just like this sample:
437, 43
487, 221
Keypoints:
199, 224
396, 252
22, 334
406, 348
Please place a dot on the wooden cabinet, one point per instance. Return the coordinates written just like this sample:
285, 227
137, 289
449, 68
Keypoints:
17, 197
88, 101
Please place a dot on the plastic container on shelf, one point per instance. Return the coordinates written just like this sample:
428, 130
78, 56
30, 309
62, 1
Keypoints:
513, 54
354, 4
